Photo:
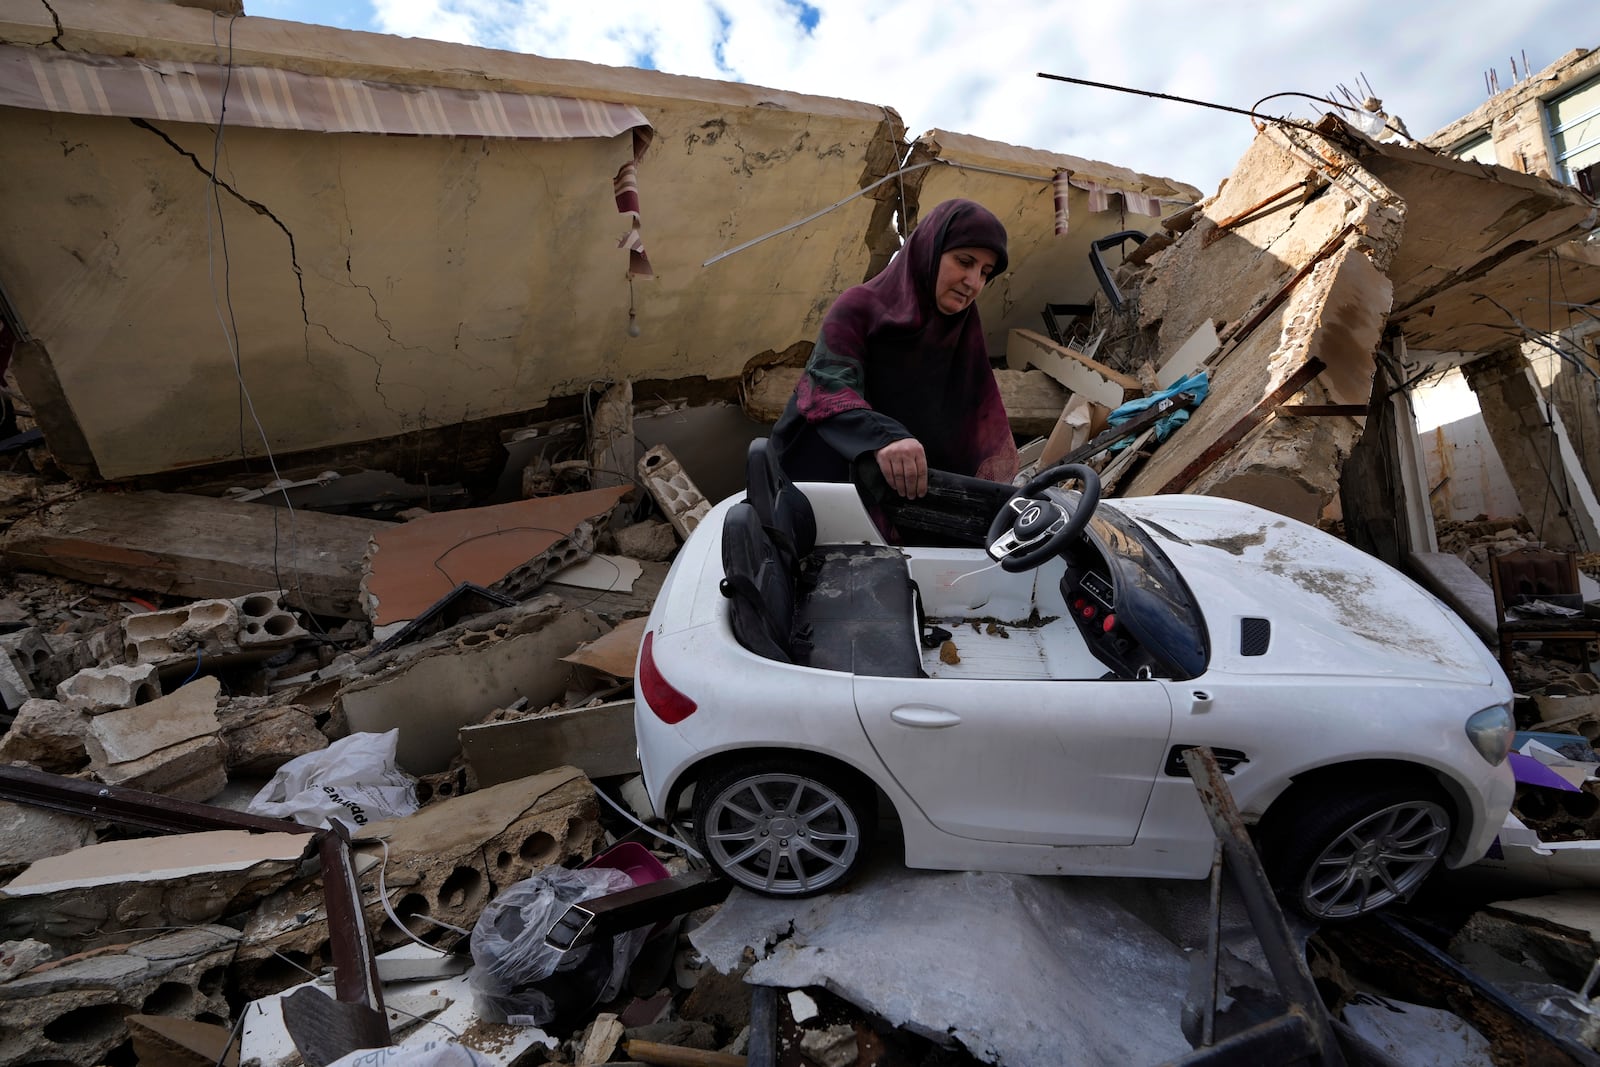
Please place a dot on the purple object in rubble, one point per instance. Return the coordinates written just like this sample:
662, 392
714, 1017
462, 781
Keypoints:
1529, 771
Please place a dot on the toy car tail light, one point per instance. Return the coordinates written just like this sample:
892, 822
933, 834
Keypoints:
669, 704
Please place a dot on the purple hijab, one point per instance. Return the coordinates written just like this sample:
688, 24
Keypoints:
886, 348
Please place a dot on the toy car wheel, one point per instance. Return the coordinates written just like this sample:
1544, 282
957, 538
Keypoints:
1354, 853
783, 829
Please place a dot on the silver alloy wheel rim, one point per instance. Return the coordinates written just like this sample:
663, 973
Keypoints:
782, 833
1382, 858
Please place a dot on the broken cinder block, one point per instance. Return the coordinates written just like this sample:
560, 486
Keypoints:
682, 503
99, 689
215, 627
29, 667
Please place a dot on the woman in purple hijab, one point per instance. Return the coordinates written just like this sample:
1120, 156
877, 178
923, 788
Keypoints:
901, 370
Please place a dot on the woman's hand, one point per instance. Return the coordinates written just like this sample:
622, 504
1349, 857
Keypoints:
905, 465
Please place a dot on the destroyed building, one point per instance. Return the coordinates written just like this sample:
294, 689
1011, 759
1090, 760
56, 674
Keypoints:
366, 386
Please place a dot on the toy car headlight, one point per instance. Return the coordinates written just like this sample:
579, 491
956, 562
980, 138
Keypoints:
1490, 732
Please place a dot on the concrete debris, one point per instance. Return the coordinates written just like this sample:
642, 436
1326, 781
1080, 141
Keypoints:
261, 737
28, 834
18, 957
652, 539
50, 735
97, 689
443, 863
171, 745
74, 1010
674, 492
211, 629
103, 893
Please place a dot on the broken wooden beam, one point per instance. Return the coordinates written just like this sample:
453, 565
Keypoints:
1234, 434
195, 546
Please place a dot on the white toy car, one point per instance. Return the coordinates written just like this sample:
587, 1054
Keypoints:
1024, 705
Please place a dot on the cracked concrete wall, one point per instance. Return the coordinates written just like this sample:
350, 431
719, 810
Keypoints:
1515, 118
385, 284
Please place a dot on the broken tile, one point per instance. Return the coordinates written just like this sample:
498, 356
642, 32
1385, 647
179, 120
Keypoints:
410, 566
601, 571
613, 653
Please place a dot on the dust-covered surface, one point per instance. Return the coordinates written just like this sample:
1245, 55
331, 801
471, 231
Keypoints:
1016, 968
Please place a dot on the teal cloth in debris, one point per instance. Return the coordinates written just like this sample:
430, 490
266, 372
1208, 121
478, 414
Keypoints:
1196, 383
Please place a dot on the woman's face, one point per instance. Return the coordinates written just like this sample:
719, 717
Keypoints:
962, 274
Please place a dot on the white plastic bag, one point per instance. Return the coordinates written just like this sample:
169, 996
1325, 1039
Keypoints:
426, 1054
511, 960
355, 780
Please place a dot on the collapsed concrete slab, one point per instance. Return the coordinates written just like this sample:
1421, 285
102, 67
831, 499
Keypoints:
72, 1010
195, 546
50, 735
114, 891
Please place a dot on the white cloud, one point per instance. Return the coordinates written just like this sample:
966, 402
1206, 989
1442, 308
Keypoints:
971, 68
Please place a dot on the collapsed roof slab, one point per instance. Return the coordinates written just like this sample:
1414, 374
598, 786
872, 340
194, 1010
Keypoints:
1474, 237
385, 284
1289, 257
1048, 240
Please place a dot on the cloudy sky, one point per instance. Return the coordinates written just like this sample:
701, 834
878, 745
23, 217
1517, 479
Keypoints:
971, 67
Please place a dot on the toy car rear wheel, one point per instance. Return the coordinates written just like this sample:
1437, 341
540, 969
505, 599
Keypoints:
1353, 853
784, 829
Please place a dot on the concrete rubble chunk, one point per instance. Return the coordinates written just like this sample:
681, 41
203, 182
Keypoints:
29, 667
49, 735
170, 745
23, 955
97, 689
447, 861
161, 637
265, 623
190, 770
74, 1010
133, 733
261, 738
649, 540
28, 834
89, 897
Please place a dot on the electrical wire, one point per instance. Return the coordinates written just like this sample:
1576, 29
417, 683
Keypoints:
217, 240
652, 831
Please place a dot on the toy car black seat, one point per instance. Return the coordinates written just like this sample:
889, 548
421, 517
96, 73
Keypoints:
759, 585
780, 505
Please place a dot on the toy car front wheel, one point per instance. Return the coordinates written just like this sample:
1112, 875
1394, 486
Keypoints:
782, 829
1350, 855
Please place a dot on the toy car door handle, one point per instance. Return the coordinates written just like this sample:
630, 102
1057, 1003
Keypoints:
928, 718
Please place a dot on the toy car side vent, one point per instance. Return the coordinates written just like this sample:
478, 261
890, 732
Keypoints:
1227, 759
1254, 636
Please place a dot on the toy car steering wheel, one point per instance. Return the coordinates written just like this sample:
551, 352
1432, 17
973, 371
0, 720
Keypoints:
1036, 523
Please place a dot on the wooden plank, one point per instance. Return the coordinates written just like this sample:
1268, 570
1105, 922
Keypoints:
1323, 409
1071, 368
195, 546
1235, 433
598, 741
